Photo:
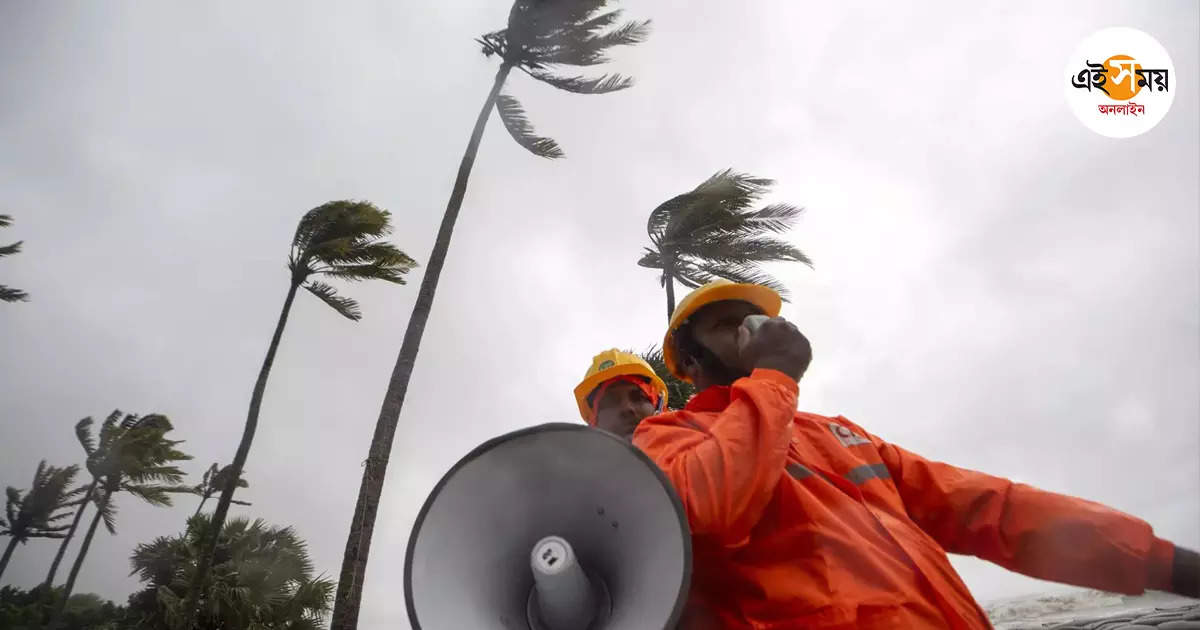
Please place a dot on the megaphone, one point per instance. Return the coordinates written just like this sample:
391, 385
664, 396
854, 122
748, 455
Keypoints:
553, 527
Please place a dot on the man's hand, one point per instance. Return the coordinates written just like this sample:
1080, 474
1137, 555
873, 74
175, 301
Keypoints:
777, 345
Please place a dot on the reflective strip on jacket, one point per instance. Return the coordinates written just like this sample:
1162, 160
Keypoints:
803, 521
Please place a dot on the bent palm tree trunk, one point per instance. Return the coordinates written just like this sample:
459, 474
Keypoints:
669, 281
62, 547
208, 547
8, 552
61, 604
362, 525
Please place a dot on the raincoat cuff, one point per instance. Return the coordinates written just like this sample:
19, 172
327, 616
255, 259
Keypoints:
1158, 565
775, 376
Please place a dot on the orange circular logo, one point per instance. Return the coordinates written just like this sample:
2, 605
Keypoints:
1122, 79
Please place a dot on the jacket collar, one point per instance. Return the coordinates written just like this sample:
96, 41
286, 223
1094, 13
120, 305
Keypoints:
715, 398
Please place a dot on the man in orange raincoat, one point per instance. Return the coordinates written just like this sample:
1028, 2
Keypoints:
806, 521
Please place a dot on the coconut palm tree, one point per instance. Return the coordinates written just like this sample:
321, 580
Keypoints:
9, 294
214, 479
35, 514
338, 240
83, 433
132, 456
713, 232
544, 39
263, 578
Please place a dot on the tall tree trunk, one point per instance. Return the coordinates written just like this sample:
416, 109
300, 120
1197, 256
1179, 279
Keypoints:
8, 552
61, 603
668, 257
209, 545
670, 297
62, 547
362, 525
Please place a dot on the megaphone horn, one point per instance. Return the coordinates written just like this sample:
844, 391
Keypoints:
554, 527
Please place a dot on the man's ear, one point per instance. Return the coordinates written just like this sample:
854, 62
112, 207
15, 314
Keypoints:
691, 368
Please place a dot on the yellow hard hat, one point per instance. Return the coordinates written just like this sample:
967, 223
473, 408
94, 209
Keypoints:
611, 364
718, 290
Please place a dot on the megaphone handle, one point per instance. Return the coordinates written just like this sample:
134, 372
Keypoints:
565, 597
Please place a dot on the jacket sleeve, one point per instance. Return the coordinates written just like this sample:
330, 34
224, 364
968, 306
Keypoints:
1040, 534
725, 475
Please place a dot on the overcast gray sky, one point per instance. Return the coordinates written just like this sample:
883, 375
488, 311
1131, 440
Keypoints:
995, 286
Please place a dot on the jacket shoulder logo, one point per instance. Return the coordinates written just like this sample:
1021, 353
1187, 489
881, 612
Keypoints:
846, 436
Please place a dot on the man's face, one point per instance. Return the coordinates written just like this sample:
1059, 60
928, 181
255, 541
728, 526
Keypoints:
621, 408
715, 327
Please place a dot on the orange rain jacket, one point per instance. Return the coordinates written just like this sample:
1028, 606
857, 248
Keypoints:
803, 521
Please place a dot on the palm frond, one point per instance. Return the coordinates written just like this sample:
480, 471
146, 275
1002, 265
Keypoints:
627, 34
718, 200
519, 127
651, 260
777, 217
7, 250
584, 85
112, 428
369, 271
139, 475
363, 251
5, 220
12, 504
76, 492
60, 516
729, 183
660, 217
345, 306
338, 219
690, 276
747, 274
593, 26
83, 432
580, 47
156, 495
718, 223
10, 294
744, 250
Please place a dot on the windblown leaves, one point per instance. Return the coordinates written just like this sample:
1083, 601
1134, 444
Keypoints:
263, 577
35, 513
7, 293
713, 232
132, 455
546, 39
513, 116
344, 240
345, 306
